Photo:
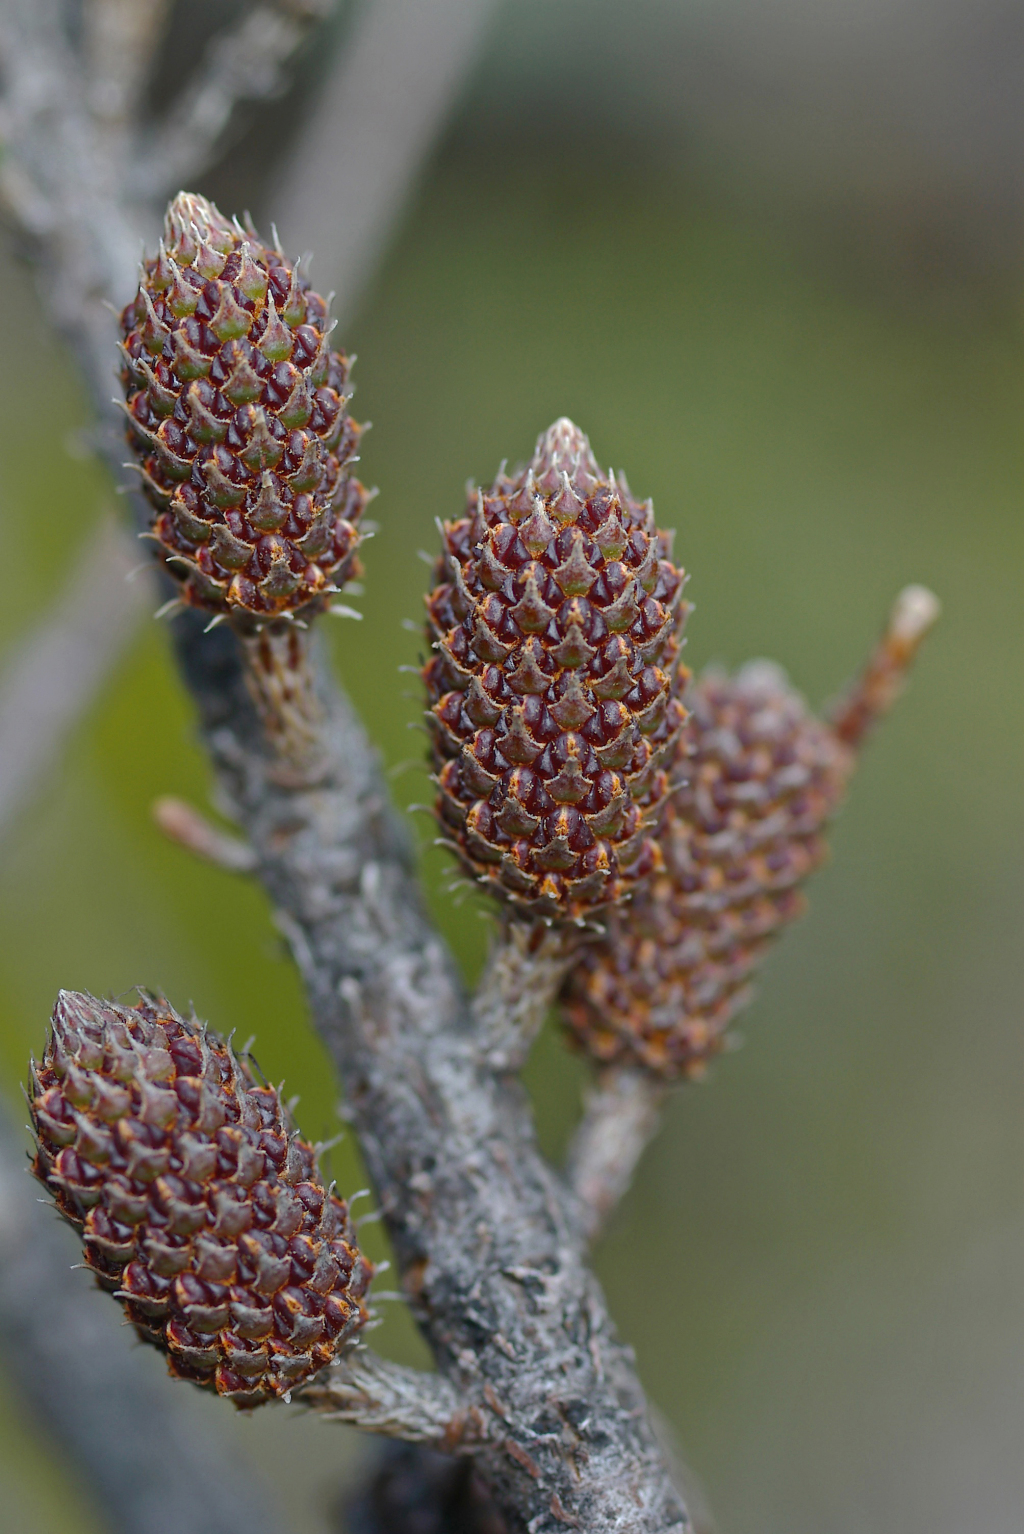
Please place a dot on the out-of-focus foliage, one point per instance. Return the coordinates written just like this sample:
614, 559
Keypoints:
906, 111
821, 1265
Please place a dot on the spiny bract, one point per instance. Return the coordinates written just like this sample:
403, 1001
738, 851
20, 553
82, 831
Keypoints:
198, 1205
237, 411
763, 776
556, 623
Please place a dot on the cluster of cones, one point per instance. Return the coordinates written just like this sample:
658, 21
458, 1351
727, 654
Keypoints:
587, 778
583, 776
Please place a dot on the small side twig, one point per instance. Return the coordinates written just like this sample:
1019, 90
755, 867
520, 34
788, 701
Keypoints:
383, 1397
620, 1117
526, 964
183, 824
913, 613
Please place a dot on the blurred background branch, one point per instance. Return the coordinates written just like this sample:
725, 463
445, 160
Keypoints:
59, 666
395, 86
120, 39
248, 61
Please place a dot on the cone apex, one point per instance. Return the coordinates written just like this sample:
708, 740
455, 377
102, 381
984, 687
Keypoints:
564, 449
191, 219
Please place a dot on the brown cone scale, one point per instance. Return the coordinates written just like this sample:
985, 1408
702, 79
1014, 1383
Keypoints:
763, 777
237, 411
554, 708
198, 1205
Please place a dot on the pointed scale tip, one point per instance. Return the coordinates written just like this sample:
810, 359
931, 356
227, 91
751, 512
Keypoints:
75, 1008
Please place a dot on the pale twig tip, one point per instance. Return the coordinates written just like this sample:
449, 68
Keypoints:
914, 612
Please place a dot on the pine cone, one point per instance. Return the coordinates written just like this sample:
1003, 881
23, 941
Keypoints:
237, 411
198, 1205
763, 776
556, 620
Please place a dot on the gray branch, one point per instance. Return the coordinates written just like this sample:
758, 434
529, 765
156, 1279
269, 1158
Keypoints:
120, 39
489, 1255
66, 192
56, 134
131, 1433
59, 178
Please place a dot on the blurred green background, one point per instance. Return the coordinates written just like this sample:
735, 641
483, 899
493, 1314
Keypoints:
821, 1266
